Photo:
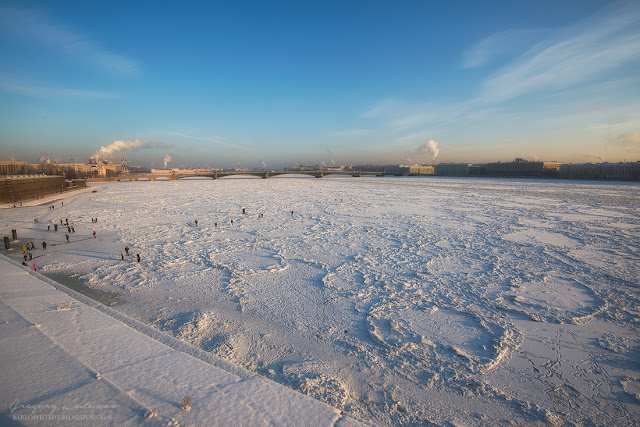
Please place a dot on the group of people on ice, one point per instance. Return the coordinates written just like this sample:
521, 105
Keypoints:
244, 212
26, 253
70, 229
126, 250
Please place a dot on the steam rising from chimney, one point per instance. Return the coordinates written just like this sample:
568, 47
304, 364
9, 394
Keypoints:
116, 146
166, 160
430, 149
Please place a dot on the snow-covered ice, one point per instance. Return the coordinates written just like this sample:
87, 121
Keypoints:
67, 360
398, 300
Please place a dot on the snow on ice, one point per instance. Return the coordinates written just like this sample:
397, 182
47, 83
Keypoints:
399, 300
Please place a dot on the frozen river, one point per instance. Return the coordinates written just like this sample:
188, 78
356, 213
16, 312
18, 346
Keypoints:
400, 300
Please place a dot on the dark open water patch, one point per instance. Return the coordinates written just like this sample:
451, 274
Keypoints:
72, 281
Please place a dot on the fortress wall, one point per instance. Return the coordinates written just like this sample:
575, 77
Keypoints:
17, 189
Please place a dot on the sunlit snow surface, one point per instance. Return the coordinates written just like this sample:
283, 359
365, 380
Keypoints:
400, 300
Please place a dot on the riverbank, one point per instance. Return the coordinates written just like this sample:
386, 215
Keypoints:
66, 358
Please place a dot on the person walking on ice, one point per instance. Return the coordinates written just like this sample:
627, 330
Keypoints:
138, 256
94, 234
121, 254
67, 236
196, 221
126, 249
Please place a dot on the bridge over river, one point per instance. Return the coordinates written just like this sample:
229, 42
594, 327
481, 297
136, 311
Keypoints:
221, 174
268, 174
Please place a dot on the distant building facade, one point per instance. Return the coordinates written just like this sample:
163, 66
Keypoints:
453, 169
478, 170
409, 170
614, 171
47, 167
523, 168
13, 167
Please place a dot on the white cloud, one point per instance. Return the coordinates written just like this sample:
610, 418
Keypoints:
576, 55
498, 45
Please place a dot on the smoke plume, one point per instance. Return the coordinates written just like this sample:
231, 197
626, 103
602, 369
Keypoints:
116, 146
330, 154
429, 150
166, 160
594, 158
629, 140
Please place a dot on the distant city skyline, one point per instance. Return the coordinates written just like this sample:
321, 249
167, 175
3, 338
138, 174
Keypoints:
276, 84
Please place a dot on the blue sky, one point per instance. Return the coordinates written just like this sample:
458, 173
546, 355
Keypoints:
222, 84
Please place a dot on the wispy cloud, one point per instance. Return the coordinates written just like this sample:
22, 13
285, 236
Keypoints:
351, 132
556, 63
414, 138
32, 25
41, 91
404, 116
159, 144
575, 55
499, 46
382, 108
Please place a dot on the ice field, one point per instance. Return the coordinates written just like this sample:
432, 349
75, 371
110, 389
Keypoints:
403, 301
